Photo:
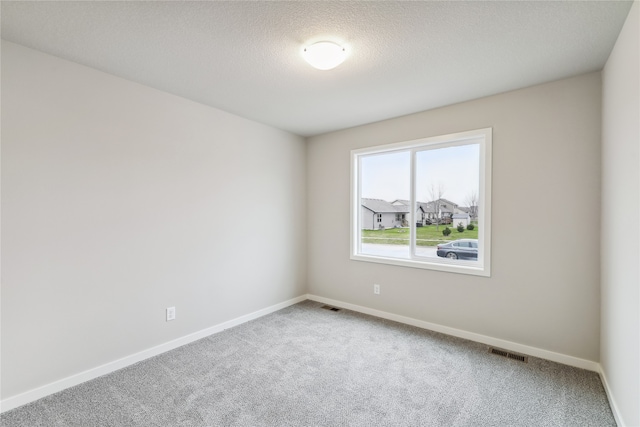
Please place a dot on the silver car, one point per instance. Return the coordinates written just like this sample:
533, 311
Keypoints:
459, 249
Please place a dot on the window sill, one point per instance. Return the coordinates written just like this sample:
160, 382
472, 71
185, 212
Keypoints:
462, 267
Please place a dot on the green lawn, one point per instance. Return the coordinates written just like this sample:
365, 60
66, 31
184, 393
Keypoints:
426, 236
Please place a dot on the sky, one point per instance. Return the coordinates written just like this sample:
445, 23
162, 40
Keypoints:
387, 176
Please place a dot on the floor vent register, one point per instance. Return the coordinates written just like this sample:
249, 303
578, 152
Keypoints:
509, 355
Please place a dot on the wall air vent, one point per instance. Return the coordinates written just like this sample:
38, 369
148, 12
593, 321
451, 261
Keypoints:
328, 307
509, 355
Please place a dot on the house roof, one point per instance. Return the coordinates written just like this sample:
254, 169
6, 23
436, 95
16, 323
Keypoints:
431, 206
460, 216
382, 206
421, 205
448, 202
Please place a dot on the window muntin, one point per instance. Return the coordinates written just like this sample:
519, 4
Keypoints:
408, 177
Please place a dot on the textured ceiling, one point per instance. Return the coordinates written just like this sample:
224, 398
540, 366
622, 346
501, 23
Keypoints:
404, 57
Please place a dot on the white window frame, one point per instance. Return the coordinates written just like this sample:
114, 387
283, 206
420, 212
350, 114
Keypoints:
481, 267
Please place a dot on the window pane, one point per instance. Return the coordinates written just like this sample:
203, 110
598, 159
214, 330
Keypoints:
447, 188
384, 204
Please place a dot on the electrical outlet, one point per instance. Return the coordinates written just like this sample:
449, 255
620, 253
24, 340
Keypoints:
376, 289
171, 313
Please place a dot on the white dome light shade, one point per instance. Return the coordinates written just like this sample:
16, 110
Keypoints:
324, 55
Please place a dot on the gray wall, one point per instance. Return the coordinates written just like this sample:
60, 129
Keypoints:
620, 341
119, 201
544, 289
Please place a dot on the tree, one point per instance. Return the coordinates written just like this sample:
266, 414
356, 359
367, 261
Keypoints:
472, 202
436, 193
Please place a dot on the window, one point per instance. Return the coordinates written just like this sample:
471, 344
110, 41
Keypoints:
432, 179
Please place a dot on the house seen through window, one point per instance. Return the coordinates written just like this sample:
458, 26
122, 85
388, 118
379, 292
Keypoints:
424, 203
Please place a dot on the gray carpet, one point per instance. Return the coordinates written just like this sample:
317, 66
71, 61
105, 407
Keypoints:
306, 366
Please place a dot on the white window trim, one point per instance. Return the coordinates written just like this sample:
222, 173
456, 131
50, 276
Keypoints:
482, 267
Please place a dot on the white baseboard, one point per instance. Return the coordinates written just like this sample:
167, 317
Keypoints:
496, 342
612, 401
40, 392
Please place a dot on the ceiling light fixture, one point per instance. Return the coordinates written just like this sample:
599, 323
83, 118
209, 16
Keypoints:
324, 55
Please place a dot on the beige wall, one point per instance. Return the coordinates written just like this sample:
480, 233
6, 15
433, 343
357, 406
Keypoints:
620, 341
544, 289
119, 201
